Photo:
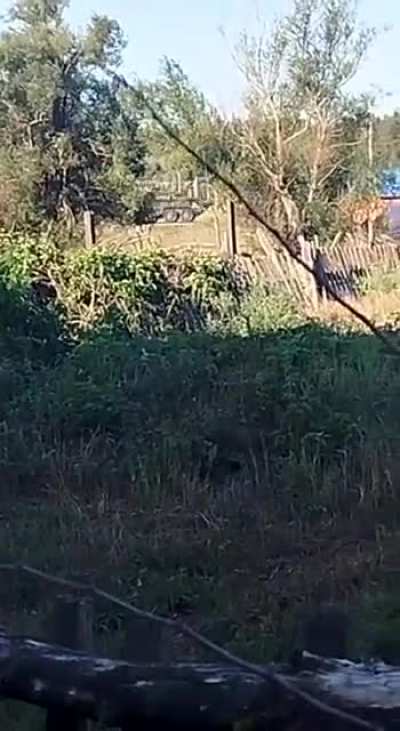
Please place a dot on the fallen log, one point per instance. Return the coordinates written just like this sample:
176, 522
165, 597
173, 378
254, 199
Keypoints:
195, 696
122, 694
370, 691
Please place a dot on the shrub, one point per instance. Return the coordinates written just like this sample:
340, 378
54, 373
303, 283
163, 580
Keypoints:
148, 291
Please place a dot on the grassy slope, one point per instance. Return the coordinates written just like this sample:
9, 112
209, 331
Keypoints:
232, 476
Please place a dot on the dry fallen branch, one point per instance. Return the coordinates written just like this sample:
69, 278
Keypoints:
282, 685
257, 216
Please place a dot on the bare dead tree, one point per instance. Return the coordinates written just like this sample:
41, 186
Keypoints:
296, 73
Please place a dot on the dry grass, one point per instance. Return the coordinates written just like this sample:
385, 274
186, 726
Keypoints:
380, 303
206, 235
382, 309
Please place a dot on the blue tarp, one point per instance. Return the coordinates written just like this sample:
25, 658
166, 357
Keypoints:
390, 185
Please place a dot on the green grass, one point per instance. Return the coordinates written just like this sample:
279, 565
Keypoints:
233, 475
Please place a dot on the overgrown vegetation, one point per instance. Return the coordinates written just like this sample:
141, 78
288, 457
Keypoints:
148, 291
235, 473
191, 441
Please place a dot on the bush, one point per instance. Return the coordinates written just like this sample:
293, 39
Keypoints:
23, 258
29, 331
148, 291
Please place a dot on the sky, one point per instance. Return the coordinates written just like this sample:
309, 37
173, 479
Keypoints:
189, 31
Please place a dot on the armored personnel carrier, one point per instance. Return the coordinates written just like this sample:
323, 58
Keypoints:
176, 210
172, 200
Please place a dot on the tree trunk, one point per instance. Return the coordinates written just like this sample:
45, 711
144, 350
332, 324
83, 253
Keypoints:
123, 694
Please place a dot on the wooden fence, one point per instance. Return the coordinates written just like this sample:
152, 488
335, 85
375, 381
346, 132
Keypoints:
343, 266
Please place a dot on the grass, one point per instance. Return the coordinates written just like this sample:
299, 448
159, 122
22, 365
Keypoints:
234, 475
380, 301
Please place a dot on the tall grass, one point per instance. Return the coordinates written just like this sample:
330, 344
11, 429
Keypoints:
234, 470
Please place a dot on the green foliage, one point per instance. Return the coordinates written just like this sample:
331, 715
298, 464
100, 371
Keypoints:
324, 45
379, 622
19, 194
23, 258
146, 291
180, 470
189, 114
261, 437
207, 278
187, 469
83, 141
61, 112
29, 332
100, 286
264, 311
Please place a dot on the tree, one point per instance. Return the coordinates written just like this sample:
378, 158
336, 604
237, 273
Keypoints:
302, 133
387, 140
187, 110
61, 112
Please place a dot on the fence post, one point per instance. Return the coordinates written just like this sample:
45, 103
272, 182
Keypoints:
231, 238
71, 626
144, 644
90, 229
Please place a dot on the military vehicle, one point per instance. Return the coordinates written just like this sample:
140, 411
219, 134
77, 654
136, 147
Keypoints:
176, 210
172, 200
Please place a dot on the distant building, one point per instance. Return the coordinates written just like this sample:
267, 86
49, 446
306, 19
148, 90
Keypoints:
390, 191
390, 186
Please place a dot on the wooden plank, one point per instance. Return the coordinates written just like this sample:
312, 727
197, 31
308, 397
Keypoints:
310, 284
196, 188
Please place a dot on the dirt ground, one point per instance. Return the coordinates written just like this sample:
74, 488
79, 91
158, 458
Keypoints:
206, 235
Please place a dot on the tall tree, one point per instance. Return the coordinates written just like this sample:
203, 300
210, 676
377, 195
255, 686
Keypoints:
304, 135
61, 112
